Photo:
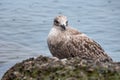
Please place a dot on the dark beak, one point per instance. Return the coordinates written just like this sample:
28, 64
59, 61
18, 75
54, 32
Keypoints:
63, 26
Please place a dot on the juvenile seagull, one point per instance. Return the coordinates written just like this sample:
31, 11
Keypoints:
64, 41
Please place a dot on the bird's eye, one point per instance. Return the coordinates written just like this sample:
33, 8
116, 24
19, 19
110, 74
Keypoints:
56, 22
67, 23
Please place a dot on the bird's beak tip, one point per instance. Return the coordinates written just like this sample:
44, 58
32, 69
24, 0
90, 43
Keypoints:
63, 26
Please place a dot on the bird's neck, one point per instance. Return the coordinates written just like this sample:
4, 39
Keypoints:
56, 34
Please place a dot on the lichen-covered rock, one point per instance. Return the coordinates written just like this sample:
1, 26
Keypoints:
45, 68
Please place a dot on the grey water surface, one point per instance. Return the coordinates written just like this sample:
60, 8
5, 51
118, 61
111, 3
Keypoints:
25, 24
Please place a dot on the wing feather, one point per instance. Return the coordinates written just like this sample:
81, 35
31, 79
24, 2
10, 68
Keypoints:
85, 47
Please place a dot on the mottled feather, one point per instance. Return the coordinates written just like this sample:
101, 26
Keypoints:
71, 43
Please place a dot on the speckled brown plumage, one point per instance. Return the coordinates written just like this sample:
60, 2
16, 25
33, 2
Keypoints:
64, 41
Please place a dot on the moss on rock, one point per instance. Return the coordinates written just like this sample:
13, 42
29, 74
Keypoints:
45, 68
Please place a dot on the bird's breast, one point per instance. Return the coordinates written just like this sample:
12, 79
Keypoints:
57, 36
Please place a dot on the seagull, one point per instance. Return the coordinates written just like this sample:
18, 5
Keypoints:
65, 41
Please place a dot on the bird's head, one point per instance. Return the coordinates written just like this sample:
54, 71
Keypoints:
61, 22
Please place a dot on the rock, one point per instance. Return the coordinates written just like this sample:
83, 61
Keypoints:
45, 68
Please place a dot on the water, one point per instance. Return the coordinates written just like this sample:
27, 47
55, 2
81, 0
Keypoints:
25, 24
